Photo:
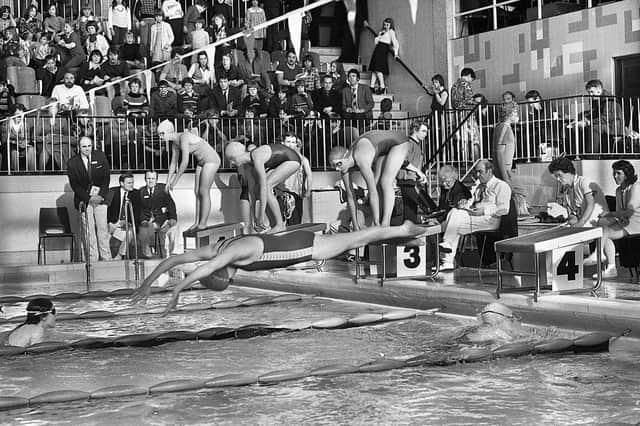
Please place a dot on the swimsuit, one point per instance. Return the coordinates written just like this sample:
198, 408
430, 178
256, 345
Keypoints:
279, 154
383, 141
279, 251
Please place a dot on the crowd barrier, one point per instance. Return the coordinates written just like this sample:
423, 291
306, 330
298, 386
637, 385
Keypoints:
593, 342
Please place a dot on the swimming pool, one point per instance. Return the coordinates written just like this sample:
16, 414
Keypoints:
543, 389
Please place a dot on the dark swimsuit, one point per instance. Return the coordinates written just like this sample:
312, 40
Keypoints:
279, 154
280, 251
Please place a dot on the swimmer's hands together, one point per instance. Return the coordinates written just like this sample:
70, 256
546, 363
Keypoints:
142, 293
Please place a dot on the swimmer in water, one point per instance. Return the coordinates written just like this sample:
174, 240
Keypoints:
272, 164
499, 325
40, 322
378, 155
207, 161
264, 252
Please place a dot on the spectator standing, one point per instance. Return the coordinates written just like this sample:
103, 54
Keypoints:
6, 20
144, 11
161, 39
164, 102
174, 15
7, 99
379, 64
461, 91
118, 22
255, 17
504, 141
193, 14
70, 45
199, 37
131, 53
218, 31
158, 214
89, 174
119, 216
296, 187
410, 178
32, 21
220, 7
289, 72
462, 99
439, 94
86, 16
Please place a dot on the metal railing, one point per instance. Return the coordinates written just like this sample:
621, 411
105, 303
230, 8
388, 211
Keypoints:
130, 236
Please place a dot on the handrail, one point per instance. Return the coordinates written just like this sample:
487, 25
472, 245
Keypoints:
84, 237
453, 132
129, 214
400, 61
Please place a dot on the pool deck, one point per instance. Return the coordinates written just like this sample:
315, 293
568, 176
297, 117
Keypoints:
465, 291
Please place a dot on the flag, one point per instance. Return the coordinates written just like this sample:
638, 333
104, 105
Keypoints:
295, 31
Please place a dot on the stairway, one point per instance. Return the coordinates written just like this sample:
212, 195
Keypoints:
330, 54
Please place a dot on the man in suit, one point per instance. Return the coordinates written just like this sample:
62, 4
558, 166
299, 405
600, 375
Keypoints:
117, 212
157, 214
357, 100
89, 174
224, 103
327, 101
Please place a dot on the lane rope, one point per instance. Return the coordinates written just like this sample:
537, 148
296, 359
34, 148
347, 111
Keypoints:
594, 342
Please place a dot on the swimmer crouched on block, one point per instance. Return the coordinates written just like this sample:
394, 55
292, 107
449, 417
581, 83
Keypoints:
264, 252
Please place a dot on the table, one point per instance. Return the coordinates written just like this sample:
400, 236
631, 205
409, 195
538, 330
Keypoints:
405, 268
542, 242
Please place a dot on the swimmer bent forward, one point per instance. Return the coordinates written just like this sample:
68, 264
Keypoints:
264, 252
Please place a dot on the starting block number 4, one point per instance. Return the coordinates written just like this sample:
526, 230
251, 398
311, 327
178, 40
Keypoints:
565, 265
399, 261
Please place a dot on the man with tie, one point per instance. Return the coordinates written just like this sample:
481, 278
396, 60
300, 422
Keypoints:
157, 214
89, 174
357, 100
490, 201
119, 214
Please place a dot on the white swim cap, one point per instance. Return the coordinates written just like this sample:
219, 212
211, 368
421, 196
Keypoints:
497, 308
166, 127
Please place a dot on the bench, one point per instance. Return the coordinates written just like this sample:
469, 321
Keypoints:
195, 239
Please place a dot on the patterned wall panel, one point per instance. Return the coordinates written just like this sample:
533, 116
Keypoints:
556, 56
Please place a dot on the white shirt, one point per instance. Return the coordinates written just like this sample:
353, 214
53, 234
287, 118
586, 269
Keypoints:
74, 96
497, 196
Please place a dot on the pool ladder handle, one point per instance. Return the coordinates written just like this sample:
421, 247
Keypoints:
538, 289
384, 246
84, 236
136, 262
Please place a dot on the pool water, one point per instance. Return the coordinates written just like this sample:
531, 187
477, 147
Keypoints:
545, 389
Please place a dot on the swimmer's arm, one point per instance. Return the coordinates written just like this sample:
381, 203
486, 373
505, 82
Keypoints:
351, 202
590, 202
374, 199
308, 180
259, 158
184, 162
172, 166
143, 292
219, 262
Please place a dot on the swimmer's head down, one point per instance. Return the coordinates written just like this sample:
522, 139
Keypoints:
217, 281
234, 152
340, 159
165, 128
41, 310
496, 312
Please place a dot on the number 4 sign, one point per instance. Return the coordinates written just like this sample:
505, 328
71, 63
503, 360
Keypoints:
565, 265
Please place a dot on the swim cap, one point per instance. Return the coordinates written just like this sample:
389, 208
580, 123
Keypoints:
234, 149
497, 308
166, 127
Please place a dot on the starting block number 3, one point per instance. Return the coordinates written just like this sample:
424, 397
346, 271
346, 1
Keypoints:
566, 267
411, 261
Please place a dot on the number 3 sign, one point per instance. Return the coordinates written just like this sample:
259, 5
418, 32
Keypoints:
565, 265
411, 261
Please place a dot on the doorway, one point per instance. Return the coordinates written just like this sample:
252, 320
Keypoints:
627, 84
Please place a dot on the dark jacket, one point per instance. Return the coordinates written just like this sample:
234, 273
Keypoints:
322, 99
80, 180
160, 205
114, 210
450, 198
219, 101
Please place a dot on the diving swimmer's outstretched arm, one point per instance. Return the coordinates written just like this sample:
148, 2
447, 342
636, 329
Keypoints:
222, 260
203, 253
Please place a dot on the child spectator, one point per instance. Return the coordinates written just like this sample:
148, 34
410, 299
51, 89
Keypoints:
174, 16
6, 20
86, 16
301, 103
256, 16
199, 37
164, 102
253, 106
32, 21
40, 51
218, 31
310, 74
53, 24
96, 41
188, 99
161, 39
135, 101
50, 74
192, 17
130, 52
118, 22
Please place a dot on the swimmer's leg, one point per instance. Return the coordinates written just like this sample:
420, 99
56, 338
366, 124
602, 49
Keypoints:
276, 177
392, 165
328, 246
196, 189
205, 180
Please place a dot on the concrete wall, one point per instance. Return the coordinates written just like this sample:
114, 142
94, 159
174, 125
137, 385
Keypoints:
21, 197
555, 55
422, 44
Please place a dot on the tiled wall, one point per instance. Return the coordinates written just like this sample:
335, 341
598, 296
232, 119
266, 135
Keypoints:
555, 55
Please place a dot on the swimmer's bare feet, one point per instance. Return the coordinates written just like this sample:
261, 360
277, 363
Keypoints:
191, 228
277, 228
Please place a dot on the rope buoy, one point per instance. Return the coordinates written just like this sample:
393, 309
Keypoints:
195, 307
255, 301
283, 375
231, 380
363, 319
92, 343
555, 345
287, 298
177, 386
330, 323
118, 391
334, 370
12, 402
11, 350
96, 314
381, 364
59, 396
398, 315
147, 339
226, 304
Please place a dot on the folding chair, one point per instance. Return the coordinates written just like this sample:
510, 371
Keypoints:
53, 224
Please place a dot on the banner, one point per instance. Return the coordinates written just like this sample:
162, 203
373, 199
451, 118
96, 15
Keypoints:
295, 31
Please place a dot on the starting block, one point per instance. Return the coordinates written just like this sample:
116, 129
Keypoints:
316, 228
211, 234
388, 261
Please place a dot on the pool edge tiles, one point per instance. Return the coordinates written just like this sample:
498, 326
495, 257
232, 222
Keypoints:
579, 312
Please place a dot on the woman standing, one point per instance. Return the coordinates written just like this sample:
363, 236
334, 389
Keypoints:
504, 141
119, 22
379, 65
439, 93
256, 16
173, 13
161, 39
219, 32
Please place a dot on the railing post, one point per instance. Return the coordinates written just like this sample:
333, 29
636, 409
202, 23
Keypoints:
495, 15
539, 9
